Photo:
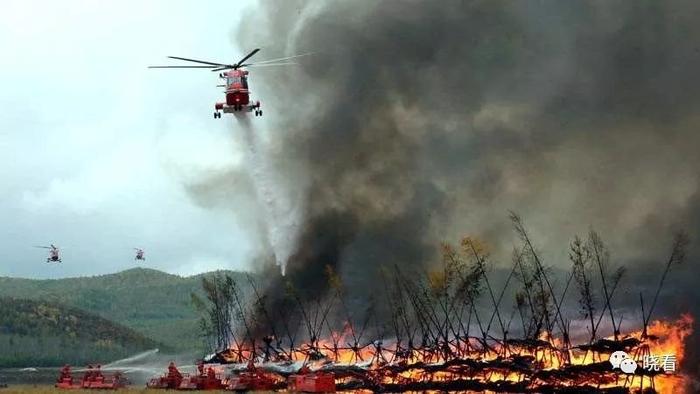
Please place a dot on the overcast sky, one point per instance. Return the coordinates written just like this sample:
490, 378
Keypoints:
96, 147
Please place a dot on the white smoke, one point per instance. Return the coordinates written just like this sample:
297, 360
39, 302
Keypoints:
280, 215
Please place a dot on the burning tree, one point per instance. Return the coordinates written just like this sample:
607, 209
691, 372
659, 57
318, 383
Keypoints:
430, 330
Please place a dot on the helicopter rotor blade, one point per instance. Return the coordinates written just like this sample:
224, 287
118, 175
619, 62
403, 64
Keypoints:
282, 58
253, 52
181, 66
223, 68
42, 247
237, 65
197, 61
270, 64
256, 65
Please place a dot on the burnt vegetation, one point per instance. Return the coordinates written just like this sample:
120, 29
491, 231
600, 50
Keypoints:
450, 327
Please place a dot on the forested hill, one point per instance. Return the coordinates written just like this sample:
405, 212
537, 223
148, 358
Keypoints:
151, 302
38, 333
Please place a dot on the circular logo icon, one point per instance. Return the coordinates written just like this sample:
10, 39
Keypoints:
616, 358
628, 365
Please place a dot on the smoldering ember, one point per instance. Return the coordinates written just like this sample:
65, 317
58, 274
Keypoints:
451, 328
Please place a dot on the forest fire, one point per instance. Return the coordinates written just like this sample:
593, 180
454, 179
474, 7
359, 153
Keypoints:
511, 366
430, 332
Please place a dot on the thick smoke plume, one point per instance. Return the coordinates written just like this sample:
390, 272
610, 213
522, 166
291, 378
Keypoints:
417, 122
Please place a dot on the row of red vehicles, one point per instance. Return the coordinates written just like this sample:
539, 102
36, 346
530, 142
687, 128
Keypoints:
206, 378
252, 379
93, 378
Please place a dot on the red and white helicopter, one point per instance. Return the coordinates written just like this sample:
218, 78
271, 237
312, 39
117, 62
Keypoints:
54, 253
237, 92
139, 254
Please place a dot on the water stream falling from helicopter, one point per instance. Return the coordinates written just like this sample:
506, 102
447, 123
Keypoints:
279, 216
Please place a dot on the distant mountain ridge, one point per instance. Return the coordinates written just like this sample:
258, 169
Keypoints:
151, 302
40, 333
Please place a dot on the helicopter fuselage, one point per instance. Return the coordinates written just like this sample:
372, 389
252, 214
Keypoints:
237, 94
54, 257
237, 87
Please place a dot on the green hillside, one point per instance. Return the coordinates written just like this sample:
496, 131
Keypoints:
38, 333
151, 302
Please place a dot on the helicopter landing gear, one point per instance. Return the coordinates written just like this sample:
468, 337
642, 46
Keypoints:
258, 112
217, 115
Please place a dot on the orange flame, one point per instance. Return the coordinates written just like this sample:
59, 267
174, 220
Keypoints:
663, 338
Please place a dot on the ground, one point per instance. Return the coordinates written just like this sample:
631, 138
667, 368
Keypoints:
41, 389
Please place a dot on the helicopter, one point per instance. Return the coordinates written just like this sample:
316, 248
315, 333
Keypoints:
139, 254
54, 253
236, 81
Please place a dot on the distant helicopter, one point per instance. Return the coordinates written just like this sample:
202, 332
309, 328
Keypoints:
237, 93
139, 254
54, 254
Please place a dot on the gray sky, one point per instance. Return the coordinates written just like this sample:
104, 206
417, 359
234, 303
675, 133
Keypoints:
96, 148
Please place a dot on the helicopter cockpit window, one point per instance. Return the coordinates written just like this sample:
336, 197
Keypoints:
244, 82
232, 80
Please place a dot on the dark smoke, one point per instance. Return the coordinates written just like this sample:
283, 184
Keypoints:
422, 121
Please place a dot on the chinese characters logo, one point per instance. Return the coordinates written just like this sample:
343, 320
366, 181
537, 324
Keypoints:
650, 362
